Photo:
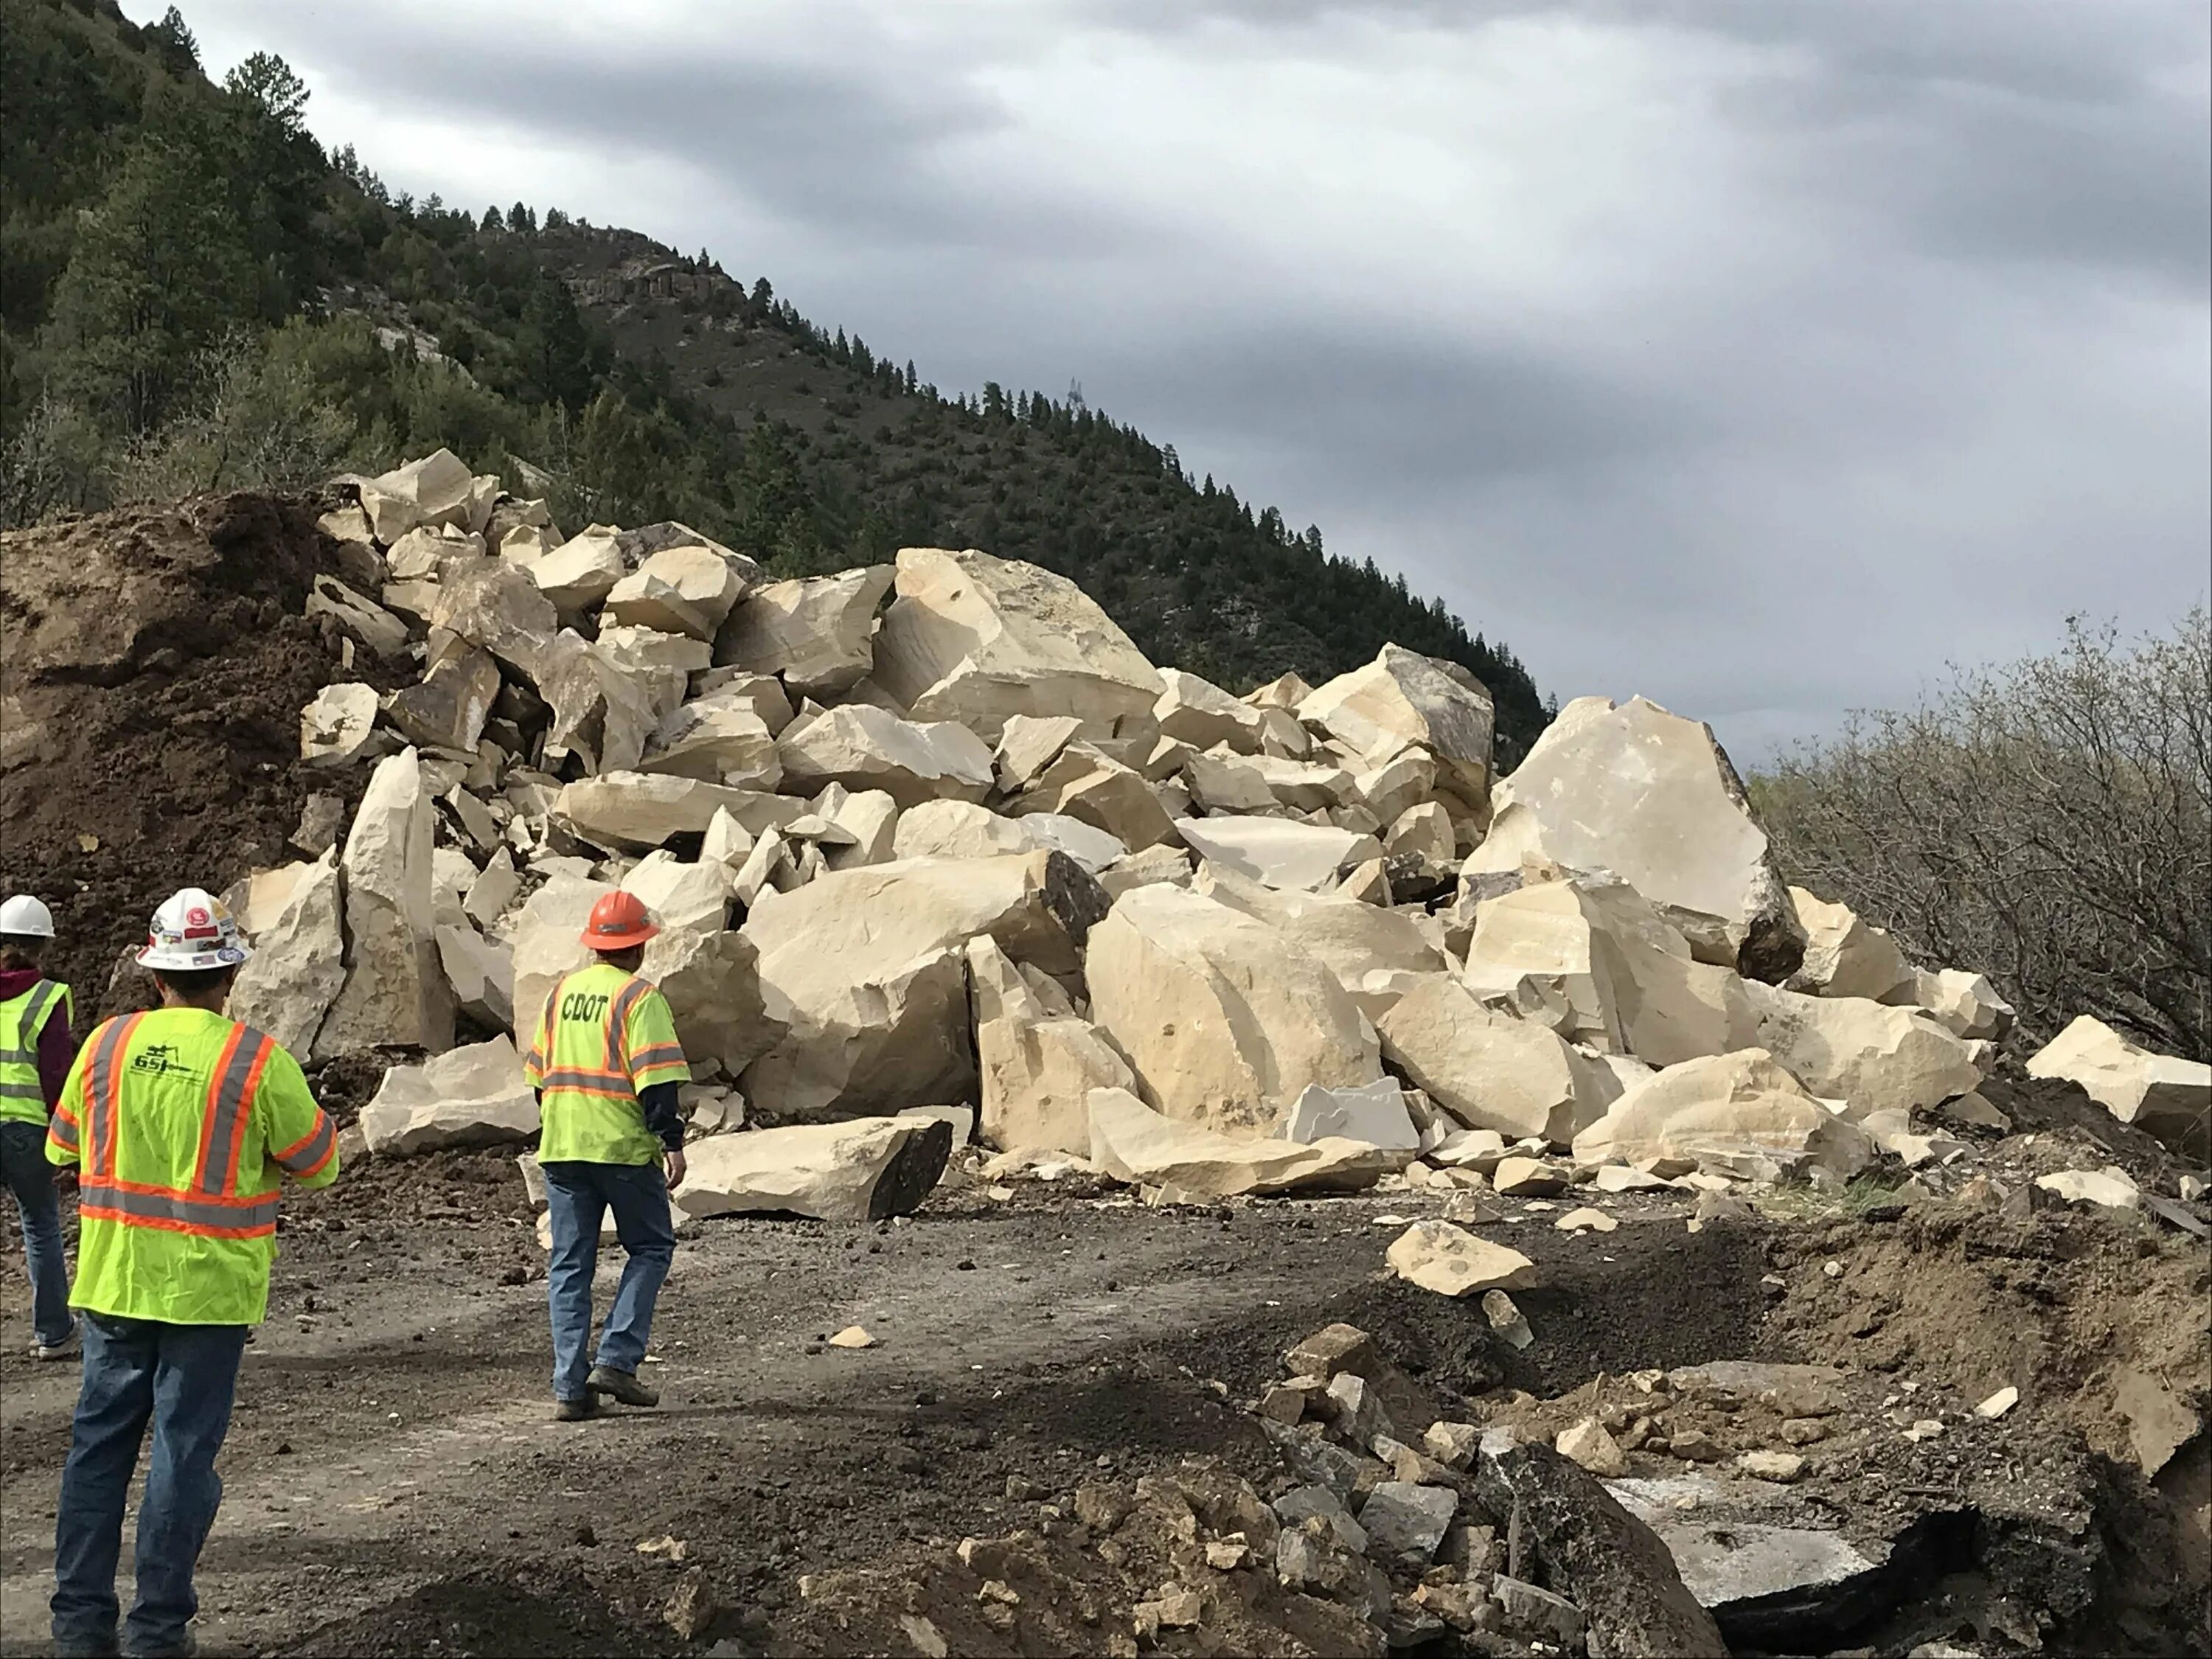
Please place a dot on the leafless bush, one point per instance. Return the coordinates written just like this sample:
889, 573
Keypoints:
2047, 822
254, 421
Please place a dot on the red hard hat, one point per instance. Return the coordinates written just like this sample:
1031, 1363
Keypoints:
618, 921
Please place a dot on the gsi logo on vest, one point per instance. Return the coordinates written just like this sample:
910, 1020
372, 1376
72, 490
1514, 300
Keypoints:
159, 1060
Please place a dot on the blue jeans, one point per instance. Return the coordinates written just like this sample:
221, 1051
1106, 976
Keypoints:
181, 1378
23, 1166
577, 1196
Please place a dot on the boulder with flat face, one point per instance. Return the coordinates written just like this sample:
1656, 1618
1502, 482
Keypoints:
641, 810
1403, 699
298, 963
818, 632
494, 604
2161, 1094
437, 489
1279, 852
865, 969
1875, 1057
1223, 1019
602, 713
1728, 1110
1132, 1142
1201, 713
1084, 783
659, 664
582, 571
1038, 1064
448, 707
717, 743
367, 623
864, 747
1486, 1069
1966, 1004
395, 994
1029, 743
1229, 783
1374, 1113
978, 640
961, 829
1450, 1260
1349, 937
866, 1169
1650, 797
481, 972
1845, 956
339, 726
679, 590
472, 1097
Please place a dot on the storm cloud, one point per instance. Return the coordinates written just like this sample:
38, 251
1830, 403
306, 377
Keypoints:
1759, 357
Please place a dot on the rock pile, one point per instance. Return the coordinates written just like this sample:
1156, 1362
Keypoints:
936, 832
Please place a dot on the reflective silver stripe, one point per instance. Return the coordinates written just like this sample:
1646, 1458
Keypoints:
62, 1131
44, 995
99, 1131
23, 1092
317, 1148
618, 1019
225, 1105
18, 1056
186, 1211
574, 1079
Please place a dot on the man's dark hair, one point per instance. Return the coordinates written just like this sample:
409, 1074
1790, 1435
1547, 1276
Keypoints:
28, 947
192, 982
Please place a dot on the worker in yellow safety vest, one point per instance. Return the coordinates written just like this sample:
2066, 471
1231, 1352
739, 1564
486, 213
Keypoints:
181, 1123
606, 1066
36, 1047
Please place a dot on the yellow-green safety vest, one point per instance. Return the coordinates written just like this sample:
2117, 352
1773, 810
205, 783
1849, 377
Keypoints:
183, 1123
605, 1039
22, 1098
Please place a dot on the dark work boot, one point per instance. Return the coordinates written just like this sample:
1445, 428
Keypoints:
574, 1411
621, 1385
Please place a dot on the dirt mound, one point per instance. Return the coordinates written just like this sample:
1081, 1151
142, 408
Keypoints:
156, 661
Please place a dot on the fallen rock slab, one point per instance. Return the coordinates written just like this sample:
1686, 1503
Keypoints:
864, 747
1875, 1057
1845, 956
639, 811
1376, 1114
862, 1170
817, 632
1132, 1142
1731, 1110
1403, 699
395, 994
437, 489
2160, 1094
298, 963
472, 1097
1439, 1256
1279, 852
1489, 1071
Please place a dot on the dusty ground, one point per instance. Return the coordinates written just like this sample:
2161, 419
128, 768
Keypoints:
394, 1484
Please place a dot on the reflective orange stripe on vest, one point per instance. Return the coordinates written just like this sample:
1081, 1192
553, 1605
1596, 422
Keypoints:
103, 1092
224, 1130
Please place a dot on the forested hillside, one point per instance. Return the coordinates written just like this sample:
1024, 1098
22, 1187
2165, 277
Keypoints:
197, 296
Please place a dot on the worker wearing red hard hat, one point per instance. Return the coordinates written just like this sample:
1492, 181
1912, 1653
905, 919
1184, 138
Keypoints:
606, 1066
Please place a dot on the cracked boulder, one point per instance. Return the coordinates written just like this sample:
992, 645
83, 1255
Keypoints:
866, 1169
476, 1096
818, 632
864, 747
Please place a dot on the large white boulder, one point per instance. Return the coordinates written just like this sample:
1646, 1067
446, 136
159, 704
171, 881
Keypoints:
1875, 1057
481, 972
1403, 699
1201, 713
1279, 852
395, 994
1224, 1020
817, 632
1846, 957
1132, 1142
866, 970
961, 829
1450, 1260
472, 1097
494, 604
717, 743
447, 707
1489, 1070
603, 713
545, 940
1083, 782
1038, 1064
298, 963
679, 590
582, 571
1349, 937
659, 664
863, 1169
1619, 976
339, 725
1632, 789
1029, 743
641, 809
1735, 1112
437, 489
1374, 1113
2160, 1094
978, 640
864, 747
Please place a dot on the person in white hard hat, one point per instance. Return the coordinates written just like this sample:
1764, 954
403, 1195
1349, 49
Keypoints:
36, 1048
183, 1123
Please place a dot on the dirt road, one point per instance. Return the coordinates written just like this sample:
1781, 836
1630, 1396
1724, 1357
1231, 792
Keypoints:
394, 1482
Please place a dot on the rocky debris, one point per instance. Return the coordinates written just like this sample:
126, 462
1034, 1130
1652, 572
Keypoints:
978, 640
817, 632
496, 606
2109, 1188
339, 726
472, 1097
639, 810
2160, 1094
362, 620
298, 963
395, 994
435, 490
961, 829
1196, 712
1083, 782
1224, 1022
1405, 1521
1641, 793
1038, 1065
1587, 1444
1509, 1324
715, 743
861, 1170
1729, 1111
601, 713
1486, 1070
447, 707
581, 571
680, 589
1966, 1004
1612, 1567
1132, 1142
1402, 701
1279, 852
1452, 1261
1876, 1058
861, 746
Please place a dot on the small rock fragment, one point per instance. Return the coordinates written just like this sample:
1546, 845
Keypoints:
1778, 1466
1586, 1219
852, 1336
1589, 1444
1998, 1403
1506, 1319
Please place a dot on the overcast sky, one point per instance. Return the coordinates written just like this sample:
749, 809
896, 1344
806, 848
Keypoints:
1757, 356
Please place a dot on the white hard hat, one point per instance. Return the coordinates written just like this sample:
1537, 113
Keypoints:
24, 917
195, 929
